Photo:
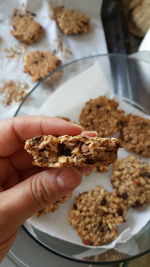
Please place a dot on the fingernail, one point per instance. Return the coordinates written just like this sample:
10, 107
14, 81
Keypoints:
69, 178
77, 125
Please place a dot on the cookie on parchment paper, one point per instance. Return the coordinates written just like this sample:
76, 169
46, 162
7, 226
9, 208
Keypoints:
131, 179
38, 64
25, 28
96, 214
71, 21
102, 115
135, 135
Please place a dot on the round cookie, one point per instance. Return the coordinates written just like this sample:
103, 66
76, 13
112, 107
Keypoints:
102, 115
135, 135
131, 179
40, 63
70, 21
25, 29
96, 214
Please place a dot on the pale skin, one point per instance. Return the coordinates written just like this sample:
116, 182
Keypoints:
24, 188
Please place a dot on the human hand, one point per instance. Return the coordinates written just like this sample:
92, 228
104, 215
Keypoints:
24, 188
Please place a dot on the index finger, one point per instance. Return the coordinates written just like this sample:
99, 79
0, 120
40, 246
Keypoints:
15, 131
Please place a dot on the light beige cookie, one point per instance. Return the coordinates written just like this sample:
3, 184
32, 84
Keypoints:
70, 21
140, 17
135, 135
134, 3
102, 115
53, 207
25, 28
131, 179
40, 63
65, 151
96, 214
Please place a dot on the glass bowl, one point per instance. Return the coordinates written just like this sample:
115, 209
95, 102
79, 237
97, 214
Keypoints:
130, 81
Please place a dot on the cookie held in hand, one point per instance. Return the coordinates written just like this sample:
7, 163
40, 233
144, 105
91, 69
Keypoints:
66, 151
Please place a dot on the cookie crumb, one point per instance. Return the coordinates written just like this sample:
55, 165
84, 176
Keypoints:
14, 91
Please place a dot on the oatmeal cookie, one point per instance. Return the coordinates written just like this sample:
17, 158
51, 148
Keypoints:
135, 135
131, 179
52, 207
64, 151
25, 28
96, 214
141, 18
70, 21
102, 115
40, 63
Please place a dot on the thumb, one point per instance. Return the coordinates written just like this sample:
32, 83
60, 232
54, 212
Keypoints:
26, 198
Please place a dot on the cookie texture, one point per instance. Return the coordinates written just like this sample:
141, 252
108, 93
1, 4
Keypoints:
40, 63
135, 135
102, 115
131, 179
53, 207
51, 151
70, 21
25, 28
96, 214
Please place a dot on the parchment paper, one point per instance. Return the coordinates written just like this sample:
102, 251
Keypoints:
68, 100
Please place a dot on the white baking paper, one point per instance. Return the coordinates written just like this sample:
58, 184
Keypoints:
72, 95
67, 48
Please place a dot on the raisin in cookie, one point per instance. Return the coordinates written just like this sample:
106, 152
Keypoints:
135, 135
40, 63
131, 179
102, 115
70, 21
52, 207
96, 214
64, 151
25, 28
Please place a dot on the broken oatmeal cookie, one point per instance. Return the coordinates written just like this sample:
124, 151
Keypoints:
96, 214
25, 28
52, 207
131, 179
40, 63
135, 135
80, 151
102, 115
70, 21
